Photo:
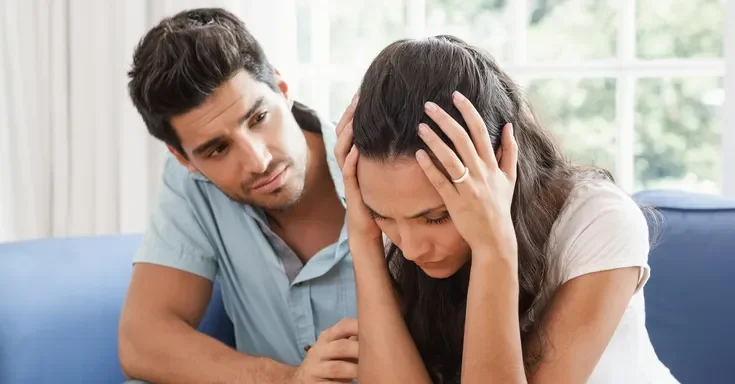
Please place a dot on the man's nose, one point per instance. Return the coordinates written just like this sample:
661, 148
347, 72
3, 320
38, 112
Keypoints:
255, 156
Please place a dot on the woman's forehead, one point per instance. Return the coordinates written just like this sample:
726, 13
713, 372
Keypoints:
396, 188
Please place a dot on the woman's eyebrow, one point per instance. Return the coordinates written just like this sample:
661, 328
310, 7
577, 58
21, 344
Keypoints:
422, 213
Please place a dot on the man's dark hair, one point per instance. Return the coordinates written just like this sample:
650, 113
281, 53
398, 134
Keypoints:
183, 59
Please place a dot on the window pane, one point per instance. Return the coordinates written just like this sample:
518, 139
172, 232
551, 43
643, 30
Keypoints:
680, 28
329, 99
310, 91
581, 115
678, 134
479, 22
361, 29
340, 96
303, 32
572, 30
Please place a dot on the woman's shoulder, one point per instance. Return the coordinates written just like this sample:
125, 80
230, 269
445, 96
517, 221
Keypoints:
600, 227
598, 203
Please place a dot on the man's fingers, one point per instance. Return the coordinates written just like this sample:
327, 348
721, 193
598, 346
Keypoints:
341, 349
336, 370
344, 329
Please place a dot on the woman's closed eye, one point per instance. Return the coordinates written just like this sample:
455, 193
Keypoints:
439, 219
374, 215
434, 219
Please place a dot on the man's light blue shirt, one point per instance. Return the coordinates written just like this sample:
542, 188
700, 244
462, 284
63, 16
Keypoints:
277, 308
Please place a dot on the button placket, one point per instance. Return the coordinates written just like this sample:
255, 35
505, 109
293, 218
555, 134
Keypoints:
300, 305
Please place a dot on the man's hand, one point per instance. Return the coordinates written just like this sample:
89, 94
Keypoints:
333, 358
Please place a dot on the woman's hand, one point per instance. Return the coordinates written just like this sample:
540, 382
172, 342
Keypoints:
361, 228
479, 191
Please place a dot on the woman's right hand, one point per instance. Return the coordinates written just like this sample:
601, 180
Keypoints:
362, 230
344, 133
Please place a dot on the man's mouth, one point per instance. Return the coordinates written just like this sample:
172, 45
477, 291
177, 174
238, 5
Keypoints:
269, 179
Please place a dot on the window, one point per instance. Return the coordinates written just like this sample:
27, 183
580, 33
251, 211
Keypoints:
633, 86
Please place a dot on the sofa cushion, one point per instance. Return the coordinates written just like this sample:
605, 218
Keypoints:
689, 299
60, 306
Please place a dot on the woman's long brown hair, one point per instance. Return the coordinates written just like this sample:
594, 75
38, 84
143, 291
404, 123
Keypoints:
399, 81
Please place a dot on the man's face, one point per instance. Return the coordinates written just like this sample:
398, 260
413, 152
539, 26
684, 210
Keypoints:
245, 140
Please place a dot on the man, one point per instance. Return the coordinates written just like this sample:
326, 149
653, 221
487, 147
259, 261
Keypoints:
252, 196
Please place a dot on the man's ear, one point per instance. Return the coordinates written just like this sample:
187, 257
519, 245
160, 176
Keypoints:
182, 159
283, 86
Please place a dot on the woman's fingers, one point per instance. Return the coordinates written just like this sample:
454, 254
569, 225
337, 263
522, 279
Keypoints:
457, 135
436, 177
446, 156
343, 145
509, 146
477, 128
349, 174
347, 115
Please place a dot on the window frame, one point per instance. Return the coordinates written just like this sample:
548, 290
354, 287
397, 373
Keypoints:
728, 115
626, 68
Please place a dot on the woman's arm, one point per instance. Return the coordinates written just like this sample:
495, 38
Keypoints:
492, 344
387, 351
605, 264
578, 326
581, 320
603, 261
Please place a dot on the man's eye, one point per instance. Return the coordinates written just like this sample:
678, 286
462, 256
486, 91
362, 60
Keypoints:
218, 150
260, 116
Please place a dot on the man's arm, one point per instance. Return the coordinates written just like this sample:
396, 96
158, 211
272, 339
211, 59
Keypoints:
169, 292
159, 341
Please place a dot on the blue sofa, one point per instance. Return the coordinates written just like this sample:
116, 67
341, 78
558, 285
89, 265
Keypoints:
61, 298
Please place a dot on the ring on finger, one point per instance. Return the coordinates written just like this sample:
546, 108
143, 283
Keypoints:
462, 178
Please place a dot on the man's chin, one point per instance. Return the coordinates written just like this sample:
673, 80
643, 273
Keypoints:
278, 200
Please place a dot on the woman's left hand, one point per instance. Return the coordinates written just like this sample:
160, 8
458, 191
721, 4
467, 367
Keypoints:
479, 190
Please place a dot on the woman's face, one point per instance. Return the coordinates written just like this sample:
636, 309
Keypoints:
412, 214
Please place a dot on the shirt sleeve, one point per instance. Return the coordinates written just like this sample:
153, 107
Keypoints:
175, 237
604, 230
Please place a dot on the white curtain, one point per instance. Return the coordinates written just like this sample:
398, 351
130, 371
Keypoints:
75, 157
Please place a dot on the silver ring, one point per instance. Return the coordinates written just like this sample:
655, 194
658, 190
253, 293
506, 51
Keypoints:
463, 177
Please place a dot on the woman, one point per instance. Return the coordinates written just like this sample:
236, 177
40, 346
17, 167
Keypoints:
507, 264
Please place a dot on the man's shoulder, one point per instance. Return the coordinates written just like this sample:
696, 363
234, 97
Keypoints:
179, 179
181, 192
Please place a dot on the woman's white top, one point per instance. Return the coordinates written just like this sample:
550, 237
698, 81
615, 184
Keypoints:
601, 228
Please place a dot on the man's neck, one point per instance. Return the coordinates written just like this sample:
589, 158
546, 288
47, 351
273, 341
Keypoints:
319, 202
316, 221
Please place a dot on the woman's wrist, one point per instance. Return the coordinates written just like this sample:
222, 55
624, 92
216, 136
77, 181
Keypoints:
500, 243
501, 262
370, 251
